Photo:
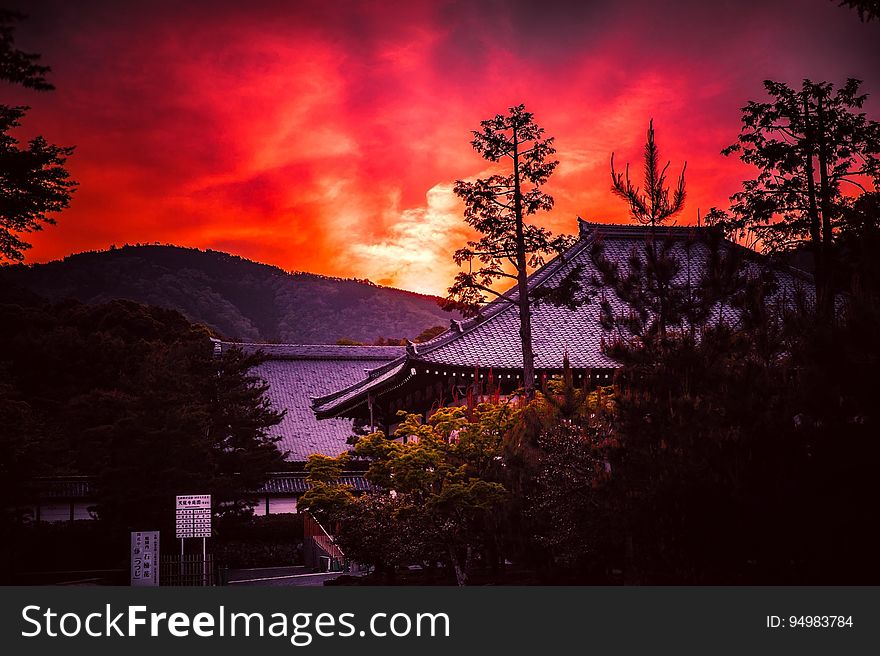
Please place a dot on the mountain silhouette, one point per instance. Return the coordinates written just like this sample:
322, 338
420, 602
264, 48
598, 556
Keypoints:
240, 299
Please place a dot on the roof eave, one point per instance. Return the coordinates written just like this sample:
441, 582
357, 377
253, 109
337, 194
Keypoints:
340, 404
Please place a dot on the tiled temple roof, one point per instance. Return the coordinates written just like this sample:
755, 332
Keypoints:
296, 373
492, 339
296, 483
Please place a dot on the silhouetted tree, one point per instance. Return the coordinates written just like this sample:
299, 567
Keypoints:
806, 144
16, 66
666, 308
868, 9
649, 287
653, 206
33, 184
497, 207
135, 397
859, 245
33, 180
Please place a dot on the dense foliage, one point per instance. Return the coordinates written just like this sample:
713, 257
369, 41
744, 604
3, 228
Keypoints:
736, 446
135, 397
812, 148
447, 496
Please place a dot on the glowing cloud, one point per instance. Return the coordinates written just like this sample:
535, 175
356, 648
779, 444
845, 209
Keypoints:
324, 136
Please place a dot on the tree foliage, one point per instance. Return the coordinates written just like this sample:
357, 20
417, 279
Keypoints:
668, 284
33, 184
327, 497
652, 290
727, 415
496, 207
653, 206
33, 181
439, 491
693, 332
135, 397
16, 66
868, 9
807, 145
572, 434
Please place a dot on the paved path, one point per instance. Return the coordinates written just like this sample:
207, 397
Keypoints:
279, 576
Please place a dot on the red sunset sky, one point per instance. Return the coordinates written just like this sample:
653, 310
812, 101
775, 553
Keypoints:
326, 136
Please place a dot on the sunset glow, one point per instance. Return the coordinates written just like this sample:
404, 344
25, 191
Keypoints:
327, 136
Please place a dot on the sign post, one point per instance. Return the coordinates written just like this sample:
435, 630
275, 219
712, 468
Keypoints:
194, 516
145, 558
194, 521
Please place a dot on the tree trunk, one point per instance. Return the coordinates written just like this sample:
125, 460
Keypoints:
461, 575
813, 209
826, 302
525, 311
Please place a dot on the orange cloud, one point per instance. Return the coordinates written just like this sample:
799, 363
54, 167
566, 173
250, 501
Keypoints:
326, 136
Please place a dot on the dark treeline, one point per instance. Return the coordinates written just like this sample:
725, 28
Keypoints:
133, 397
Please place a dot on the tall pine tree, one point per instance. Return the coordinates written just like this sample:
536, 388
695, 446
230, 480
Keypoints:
497, 207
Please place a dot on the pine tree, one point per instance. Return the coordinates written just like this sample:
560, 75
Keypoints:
647, 286
654, 206
497, 207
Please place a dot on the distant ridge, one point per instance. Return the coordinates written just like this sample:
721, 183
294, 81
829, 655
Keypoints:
239, 298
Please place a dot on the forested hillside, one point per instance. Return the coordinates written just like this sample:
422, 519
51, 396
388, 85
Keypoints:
239, 298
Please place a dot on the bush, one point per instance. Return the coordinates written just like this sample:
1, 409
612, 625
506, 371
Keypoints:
258, 541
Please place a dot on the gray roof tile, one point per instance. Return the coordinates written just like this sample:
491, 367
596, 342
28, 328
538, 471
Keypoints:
296, 373
296, 483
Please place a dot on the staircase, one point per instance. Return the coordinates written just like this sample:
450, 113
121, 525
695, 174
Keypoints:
320, 551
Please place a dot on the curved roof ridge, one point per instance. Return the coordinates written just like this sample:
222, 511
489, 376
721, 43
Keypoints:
636, 230
319, 351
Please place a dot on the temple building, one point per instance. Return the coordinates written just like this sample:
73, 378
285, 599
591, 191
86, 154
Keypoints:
487, 348
331, 393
